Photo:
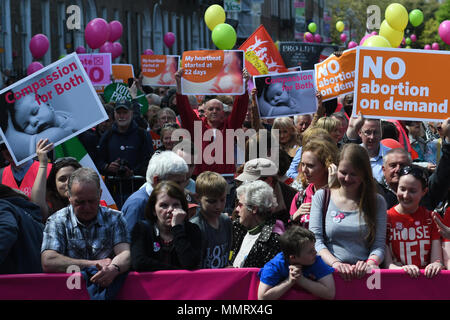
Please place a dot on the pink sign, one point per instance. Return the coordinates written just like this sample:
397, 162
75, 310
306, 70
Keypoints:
98, 66
222, 284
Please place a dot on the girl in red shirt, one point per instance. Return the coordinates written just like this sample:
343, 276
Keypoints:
413, 239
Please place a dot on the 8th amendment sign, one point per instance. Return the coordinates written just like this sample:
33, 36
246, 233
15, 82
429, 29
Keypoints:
402, 84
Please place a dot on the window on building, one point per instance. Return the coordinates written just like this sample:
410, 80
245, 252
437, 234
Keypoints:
158, 45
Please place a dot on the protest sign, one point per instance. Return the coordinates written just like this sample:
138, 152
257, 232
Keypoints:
261, 54
402, 84
122, 72
336, 76
98, 66
213, 72
286, 94
305, 54
159, 70
116, 92
57, 102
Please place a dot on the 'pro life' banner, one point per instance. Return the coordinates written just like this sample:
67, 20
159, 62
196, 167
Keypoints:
213, 72
304, 54
159, 70
286, 94
57, 102
336, 76
402, 84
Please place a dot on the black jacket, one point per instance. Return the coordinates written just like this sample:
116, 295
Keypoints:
146, 253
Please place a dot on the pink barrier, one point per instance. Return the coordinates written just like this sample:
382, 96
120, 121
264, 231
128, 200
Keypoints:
224, 284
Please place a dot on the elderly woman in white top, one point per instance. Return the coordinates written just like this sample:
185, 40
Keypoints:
254, 242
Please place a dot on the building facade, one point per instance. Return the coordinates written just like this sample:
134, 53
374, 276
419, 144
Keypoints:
144, 24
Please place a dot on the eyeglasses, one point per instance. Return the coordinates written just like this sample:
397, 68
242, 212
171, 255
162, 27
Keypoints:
65, 159
415, 172
369, 133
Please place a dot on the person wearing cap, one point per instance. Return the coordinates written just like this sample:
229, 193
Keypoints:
125, 149
214, 118
267, 171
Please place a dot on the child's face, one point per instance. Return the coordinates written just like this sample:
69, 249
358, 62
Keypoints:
276, 95
307, 257
213, 206
410, 192
31, 117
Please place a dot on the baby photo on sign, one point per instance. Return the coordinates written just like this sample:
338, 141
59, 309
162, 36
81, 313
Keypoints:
286, 94
57, 102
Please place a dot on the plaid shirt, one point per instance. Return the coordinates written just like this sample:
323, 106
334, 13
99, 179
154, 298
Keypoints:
68, 236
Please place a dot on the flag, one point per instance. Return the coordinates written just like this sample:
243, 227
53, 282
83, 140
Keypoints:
74, 148
261, 54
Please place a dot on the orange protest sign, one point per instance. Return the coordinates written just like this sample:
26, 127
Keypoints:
336, 76
159, 70
212, 72
261, 54
202, 66
402, 84
122, 72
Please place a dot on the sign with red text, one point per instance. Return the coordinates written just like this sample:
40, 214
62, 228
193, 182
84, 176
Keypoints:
402, 84
285, 94
159, 70
57, 103
213, 72
98, 67
336, 75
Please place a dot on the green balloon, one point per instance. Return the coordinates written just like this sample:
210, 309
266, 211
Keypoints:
224, 36
408, 41
416, 17
312, 27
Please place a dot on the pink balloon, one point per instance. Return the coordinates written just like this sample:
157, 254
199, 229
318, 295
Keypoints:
309, 37
427, 47
435, 46
413, 38
80, 49
444, 31
96, 33
352, 44
107, 47
148, 52
117, 50
374, 33
33, 67
116, 30
39, 45
317, 38
343, 37
403, 42
364, 39
169, 39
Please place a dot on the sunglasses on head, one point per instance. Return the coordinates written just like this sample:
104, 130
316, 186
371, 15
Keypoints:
415, 172
65, 159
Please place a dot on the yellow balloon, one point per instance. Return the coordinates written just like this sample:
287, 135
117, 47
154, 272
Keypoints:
397, 16
340, 26
214, 15
377, 41
394, 37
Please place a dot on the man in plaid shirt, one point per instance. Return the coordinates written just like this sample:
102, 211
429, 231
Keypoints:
85, 234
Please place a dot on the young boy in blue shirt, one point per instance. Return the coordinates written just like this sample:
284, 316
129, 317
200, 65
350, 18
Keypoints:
299, 264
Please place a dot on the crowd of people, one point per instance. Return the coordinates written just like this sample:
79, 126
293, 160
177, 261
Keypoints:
347, 195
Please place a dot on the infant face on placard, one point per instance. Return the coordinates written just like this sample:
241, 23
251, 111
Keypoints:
276, 96
31, 117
